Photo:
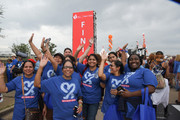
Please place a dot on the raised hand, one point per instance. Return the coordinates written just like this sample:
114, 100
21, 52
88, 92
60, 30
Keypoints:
2, 68
104, 55
43, 61
124, 47
31, 38
42, 43
91, 41
80, 47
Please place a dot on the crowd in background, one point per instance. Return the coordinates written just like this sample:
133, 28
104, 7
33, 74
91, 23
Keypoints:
60, 83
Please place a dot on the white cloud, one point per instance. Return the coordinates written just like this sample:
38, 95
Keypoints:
125, 20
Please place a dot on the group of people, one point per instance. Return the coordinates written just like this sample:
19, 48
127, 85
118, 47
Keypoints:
64, 84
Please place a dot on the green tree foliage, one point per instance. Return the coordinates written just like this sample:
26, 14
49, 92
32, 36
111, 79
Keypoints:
25, 48
52, 47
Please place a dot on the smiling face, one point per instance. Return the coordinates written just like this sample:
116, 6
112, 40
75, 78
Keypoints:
58, 59
114, 68
67, 52
67, 69
159, 58
134, 62
112, 58
28, 69
92, 62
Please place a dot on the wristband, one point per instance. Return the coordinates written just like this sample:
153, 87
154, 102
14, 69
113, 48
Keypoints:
80, 105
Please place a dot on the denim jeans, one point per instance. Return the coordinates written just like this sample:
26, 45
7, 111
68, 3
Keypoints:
90, 111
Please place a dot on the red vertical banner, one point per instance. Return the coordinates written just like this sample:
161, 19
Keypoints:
83, 30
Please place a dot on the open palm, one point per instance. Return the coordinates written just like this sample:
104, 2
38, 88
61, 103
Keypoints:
2, 68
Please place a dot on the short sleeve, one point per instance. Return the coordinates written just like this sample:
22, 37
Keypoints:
107, 74
47, 85
59, 70
178, 69
149, 78
81, 67
11, 85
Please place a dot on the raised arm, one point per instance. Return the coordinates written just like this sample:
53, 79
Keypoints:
34, 48
91, 41
50, 57
78, 50
101, 67
3, 88
37, 80
123, 55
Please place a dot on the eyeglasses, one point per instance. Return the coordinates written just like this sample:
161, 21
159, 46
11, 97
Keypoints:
66, 67
112, 65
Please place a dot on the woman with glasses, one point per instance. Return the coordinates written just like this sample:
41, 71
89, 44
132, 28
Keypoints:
64, 90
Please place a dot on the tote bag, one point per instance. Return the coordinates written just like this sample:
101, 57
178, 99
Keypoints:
145, 111
113, 114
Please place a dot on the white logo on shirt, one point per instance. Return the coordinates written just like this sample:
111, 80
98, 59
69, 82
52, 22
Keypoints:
126, 77
109, 70
88, 76
50, 73
116, 82
29, 86
65, 87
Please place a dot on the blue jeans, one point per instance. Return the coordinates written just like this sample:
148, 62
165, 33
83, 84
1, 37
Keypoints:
90, 111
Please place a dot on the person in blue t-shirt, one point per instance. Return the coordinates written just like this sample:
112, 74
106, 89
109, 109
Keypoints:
65, 91
112, 56
9, 65
91, 89
135, 79
114, 78
31, 93
48, 72
14, 62
75, 73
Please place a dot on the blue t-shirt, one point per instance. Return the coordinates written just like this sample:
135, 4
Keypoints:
15, 61
48, 71
107, 69
37, 65
9, 66
31, 95
108, 100
19, 64
178, 70
176, 65
137, 80
91, 89
64, 95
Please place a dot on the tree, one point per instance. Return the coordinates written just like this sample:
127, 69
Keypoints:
25, 48
52, 47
